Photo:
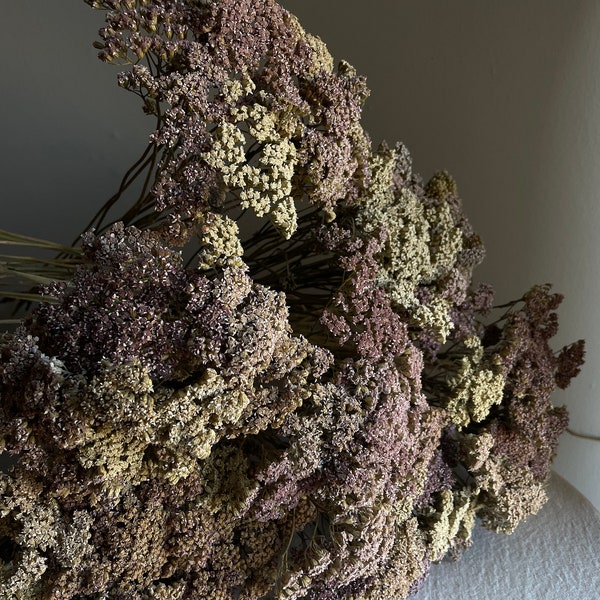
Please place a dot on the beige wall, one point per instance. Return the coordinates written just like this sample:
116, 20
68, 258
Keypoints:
504, 94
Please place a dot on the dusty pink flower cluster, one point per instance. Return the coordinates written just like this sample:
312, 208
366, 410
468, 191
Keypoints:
317, 407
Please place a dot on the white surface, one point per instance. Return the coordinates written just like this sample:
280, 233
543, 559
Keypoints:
554, 555
503, 94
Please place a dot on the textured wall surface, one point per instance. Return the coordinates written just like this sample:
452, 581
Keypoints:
505, 95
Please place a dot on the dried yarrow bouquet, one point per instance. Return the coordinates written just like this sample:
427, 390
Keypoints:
271, 377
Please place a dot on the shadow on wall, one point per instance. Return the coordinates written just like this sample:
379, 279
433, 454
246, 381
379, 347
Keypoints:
466, 86
71, 131
568, 190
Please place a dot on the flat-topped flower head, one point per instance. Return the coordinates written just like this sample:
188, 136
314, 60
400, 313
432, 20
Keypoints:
251, 111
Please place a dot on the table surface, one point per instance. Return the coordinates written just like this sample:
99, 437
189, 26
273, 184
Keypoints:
554, 555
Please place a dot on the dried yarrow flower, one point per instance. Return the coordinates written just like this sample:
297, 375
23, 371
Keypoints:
430, 249
505, 433
251, 112
320, 410
138, 408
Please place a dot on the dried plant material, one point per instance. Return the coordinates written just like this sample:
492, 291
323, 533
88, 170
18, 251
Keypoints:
318, 409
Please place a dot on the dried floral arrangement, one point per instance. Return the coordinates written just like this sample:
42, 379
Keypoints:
272, 376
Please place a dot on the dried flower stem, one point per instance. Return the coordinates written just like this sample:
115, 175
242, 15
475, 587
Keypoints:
585, 436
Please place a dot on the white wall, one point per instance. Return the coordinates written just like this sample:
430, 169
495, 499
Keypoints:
505, 95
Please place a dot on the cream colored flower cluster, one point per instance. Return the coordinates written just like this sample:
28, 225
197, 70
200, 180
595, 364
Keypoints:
423, 242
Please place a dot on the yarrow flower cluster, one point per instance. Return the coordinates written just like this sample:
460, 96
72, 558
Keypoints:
315, 403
